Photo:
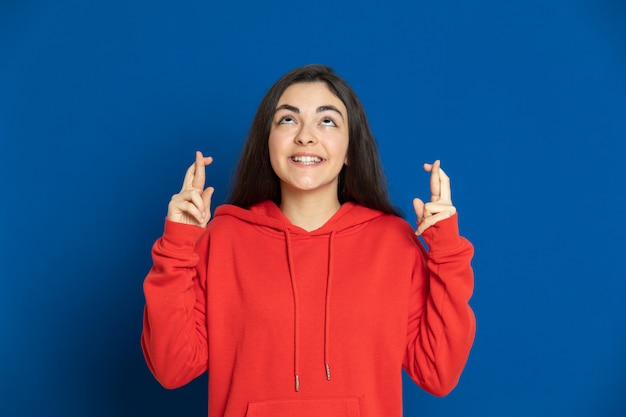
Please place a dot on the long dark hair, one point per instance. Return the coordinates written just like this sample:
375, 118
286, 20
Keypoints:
361, 181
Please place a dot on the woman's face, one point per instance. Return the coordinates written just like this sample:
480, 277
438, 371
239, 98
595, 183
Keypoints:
308, 141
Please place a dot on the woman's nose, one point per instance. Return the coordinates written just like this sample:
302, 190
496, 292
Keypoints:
305, 136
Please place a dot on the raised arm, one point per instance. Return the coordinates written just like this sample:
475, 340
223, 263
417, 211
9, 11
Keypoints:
441, 324
174, 336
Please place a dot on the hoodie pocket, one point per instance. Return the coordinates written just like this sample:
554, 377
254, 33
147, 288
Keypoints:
324, 407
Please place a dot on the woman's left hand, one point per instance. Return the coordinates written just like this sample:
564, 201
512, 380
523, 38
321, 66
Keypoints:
440, 206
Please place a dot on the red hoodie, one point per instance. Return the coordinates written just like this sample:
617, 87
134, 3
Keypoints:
295, 323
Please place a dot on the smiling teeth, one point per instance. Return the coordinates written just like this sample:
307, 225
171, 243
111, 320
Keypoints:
307, 159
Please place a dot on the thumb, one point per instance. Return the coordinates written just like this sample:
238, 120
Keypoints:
206, 198
418, 206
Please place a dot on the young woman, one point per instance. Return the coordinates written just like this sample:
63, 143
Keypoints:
308, 294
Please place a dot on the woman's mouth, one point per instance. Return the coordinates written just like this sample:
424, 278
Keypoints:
306, 160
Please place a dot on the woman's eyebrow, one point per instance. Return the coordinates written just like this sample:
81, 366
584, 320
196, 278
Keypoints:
318, 110
329, 107
288, 107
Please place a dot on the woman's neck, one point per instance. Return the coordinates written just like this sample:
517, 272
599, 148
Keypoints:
309, 213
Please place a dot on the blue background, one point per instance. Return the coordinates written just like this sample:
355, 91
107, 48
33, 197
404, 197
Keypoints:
103, 103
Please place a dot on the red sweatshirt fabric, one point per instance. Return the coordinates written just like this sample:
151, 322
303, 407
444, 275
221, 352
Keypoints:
289, 322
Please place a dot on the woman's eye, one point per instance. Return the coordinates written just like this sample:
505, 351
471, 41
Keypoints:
286, 120
328, 122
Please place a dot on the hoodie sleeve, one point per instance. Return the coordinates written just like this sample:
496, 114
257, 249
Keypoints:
174, 337
441, 324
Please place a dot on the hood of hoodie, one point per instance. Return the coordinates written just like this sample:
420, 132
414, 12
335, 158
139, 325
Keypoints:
268, 215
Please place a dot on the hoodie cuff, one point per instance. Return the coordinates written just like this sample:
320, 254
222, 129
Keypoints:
443, 236
180, 234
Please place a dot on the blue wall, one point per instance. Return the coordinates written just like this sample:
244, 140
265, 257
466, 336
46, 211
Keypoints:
103, 103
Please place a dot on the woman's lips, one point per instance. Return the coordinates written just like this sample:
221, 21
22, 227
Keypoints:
306, 159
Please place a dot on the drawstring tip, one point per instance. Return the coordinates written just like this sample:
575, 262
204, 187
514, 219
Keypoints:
328, 372
297, 383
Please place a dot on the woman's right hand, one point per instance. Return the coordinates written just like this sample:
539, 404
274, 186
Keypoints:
193, 204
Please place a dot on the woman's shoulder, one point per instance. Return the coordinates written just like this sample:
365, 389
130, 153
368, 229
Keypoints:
392, 221
389, 225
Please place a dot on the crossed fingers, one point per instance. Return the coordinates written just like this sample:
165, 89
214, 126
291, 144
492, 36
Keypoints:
440, 206
192, 204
